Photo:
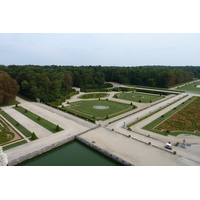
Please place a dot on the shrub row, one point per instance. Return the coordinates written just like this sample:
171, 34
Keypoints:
96, 90
154, 92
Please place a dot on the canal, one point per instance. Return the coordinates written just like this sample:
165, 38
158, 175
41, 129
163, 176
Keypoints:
73, 153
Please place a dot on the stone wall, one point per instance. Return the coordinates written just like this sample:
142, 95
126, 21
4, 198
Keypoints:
110, 155
41, 151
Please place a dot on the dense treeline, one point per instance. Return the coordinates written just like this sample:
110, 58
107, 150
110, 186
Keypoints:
154, 77
54, 83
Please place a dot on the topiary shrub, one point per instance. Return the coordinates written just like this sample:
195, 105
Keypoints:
34, 136
57, 128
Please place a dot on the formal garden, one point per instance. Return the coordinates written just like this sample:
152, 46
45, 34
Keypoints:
98, 109
183, 119
139, 97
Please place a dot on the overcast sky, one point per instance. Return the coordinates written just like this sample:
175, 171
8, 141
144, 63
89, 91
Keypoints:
100, 32
106, 49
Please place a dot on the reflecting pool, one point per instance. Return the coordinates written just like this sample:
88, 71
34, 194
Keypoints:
73, 153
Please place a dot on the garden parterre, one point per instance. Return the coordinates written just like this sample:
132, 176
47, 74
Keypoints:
7, 134
87, 108
139, 97
187, 119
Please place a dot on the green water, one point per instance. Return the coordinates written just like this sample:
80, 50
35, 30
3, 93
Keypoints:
71, 154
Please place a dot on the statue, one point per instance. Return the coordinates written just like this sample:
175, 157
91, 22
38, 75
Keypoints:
3, 158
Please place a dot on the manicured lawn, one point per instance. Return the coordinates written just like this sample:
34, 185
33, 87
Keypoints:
92, 96
14, 145
41, 121
87, 108
139, 97
191, 87
183, 119
18, 126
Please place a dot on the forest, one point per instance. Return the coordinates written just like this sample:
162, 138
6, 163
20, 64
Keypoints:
54, 83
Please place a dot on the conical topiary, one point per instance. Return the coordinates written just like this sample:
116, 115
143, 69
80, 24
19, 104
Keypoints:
57, 128
34, 136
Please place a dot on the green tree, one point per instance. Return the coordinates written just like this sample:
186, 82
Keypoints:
8, 87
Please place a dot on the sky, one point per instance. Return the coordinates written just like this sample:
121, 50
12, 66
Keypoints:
105, 49
100, 32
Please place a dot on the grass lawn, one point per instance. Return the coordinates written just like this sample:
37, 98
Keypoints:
191, 87
139, 97
92, 96
41, 121
179, 125
12, 102
14, 145
18, 126
86, 108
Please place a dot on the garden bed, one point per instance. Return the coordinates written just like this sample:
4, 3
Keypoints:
187, 119
7, 133
180, 120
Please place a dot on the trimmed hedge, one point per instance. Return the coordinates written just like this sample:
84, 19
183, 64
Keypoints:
153, 91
